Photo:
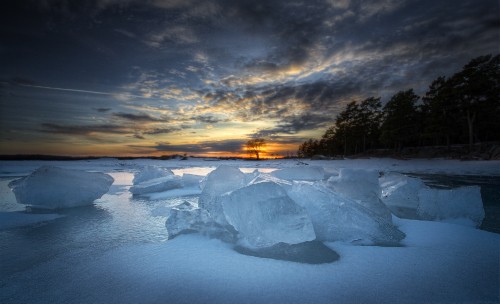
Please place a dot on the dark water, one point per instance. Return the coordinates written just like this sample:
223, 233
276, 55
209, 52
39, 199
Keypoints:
490, 193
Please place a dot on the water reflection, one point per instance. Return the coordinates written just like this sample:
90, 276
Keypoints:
27, 246
112, 221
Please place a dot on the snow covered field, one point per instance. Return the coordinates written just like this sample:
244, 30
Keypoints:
117, 250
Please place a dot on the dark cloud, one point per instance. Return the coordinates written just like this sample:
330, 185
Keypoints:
161, 131
83, 130
292, 125
315, 102
295, 27
139, 136
230, 146
208, 119
22, 81
102, 110
141, 117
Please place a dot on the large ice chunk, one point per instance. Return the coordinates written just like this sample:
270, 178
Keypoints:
221, 180
266, 177
462, 205
409, 197
155, 179
187, 218
304, 173
51, 187
338, 218
191, 180
264, 215
249, 177
400, 194
150, 172
157, 185
363, 187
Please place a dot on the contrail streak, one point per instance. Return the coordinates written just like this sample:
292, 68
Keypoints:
79, 91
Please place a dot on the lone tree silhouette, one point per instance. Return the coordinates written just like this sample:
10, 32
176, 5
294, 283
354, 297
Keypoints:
255, 146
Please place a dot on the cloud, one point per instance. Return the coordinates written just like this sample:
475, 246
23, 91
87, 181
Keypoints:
141, 117
22, 81
90, 129
126, 33
171, 4
157, 131
293, 125
172, 35
340, 4
83, 129
230, 146
281, 102
379, 7
208, 119
102, 110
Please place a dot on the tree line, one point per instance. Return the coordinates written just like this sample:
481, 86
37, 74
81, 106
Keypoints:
461, 109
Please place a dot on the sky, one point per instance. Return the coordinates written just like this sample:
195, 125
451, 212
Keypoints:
159, 77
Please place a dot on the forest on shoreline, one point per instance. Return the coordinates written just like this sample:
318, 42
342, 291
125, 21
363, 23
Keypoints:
458, 115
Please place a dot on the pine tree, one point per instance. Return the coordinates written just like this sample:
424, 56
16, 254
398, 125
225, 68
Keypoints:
400, 123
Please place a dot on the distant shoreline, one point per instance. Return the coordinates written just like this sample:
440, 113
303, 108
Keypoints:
481, 151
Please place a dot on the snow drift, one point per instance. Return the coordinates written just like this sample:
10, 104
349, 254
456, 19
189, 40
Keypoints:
307, 173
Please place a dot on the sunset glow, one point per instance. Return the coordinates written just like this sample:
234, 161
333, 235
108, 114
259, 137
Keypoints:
139, 78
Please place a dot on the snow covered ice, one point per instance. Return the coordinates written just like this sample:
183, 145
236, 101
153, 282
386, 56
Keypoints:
264, 215
120, 250
51, 187
308, 173
17, 219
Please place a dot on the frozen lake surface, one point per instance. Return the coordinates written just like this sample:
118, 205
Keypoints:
116, 251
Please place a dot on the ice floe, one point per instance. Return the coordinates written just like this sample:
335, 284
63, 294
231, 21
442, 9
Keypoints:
52, 187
